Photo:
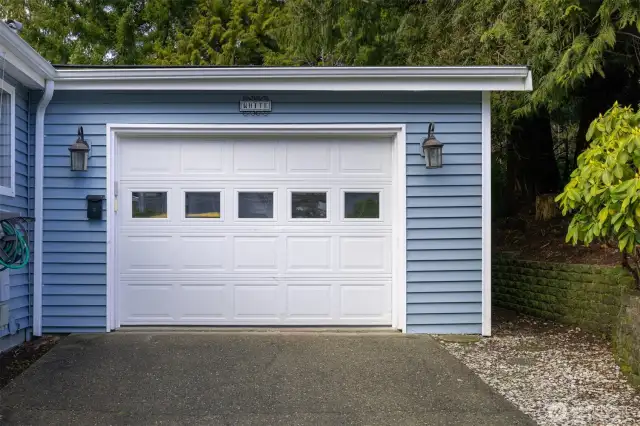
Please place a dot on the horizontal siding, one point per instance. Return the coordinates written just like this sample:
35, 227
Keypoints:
445, 328
20, 287
431, 254
444, 231
443, 206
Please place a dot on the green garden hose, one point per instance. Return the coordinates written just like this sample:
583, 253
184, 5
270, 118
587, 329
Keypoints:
14, 244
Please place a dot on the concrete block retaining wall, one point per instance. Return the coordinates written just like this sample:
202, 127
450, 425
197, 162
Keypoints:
595, 298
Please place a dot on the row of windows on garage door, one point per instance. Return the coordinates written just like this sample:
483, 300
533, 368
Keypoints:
258, 204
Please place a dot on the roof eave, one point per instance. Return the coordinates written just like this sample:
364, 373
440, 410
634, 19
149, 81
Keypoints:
299, 79
22, 62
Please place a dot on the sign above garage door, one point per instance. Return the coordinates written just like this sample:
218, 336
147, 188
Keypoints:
255, 105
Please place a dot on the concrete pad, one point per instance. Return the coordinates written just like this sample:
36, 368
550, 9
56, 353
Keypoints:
226, 378
458, 338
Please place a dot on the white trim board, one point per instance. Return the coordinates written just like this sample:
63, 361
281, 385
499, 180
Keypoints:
264, 79
486, 213
396, 132
10, 191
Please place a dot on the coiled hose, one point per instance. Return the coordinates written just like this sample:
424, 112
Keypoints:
14, 243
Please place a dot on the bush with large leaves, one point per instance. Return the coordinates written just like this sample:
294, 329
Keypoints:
604, 191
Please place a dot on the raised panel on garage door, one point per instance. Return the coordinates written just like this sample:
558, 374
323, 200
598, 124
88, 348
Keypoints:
265, 236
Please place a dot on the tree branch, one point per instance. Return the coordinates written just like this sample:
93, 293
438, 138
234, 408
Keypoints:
635, 36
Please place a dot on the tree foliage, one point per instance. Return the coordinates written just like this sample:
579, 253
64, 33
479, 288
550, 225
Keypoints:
223, 32
604, 191
340, 32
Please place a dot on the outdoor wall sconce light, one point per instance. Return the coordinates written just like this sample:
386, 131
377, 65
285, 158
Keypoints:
79, 153
432, 150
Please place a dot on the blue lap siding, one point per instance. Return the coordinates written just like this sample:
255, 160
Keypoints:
443, 205
20, 280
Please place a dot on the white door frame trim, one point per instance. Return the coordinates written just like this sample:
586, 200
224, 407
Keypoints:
396, 132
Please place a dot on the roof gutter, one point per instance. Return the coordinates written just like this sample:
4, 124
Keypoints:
298, 78
38, 212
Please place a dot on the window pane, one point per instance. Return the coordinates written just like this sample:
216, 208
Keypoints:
252, 205
202, 204
310, 205
361, 205
149, 204
5, 139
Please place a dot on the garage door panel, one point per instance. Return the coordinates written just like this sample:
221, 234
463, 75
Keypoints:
308, 158
203, 302
203, 253
257, 301
256, 270
162, 160
204, 158
310, 301
309, 253
147, 303
364, 301
259, 253
253, 277
255, 157
369, 158
146, 253
365, 253
277, 301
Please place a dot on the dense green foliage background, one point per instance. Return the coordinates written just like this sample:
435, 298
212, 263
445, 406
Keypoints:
585, 54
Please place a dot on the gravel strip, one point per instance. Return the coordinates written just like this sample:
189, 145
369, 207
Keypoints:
557, 375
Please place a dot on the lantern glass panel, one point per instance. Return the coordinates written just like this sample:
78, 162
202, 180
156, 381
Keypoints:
79, 160
433, 156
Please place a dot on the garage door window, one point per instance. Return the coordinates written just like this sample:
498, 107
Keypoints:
202, 205
362, 205
308, 205
255, 205
149, 205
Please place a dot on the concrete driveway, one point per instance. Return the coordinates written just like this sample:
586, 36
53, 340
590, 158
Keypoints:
252, 378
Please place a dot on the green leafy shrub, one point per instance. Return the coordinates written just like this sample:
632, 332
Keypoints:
604, 191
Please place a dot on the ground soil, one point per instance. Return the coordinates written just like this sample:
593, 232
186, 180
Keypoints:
16, 360
544, 241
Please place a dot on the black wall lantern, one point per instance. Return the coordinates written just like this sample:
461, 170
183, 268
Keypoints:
79, 153
432, 150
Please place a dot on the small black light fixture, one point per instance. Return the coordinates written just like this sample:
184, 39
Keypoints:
79, 153
432, 150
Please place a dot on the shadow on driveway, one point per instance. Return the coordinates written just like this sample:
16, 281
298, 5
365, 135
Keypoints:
251, 378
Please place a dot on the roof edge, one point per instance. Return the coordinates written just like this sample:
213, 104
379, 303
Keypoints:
22, 55
297, 78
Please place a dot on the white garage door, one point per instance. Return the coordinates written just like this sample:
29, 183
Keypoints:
286, 231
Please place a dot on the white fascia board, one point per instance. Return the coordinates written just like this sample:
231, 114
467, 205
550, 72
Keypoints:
22, 62
19, 70
298, 79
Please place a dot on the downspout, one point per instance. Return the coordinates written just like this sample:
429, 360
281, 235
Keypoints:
39, 225
30, 141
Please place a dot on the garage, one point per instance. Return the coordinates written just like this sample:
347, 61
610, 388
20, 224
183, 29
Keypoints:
275, 196
254, 230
